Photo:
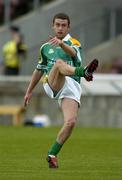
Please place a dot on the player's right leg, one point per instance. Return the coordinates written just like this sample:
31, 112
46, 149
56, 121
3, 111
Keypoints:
62, 69
58, 73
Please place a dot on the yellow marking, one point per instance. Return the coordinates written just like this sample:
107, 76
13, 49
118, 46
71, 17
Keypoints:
44, 79
75, 42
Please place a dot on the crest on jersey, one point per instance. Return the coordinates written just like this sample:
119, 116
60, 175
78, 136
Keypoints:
51, 51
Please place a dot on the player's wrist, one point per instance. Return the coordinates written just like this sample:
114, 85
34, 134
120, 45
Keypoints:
29, 92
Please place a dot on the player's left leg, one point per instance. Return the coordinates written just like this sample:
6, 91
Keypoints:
69, 108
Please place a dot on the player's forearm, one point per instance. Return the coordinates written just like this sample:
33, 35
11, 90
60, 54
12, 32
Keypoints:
34, 80
69, 50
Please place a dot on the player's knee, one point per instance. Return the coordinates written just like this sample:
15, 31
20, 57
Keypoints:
71, 122
59, 63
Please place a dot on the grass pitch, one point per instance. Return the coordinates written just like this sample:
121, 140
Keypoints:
90, 154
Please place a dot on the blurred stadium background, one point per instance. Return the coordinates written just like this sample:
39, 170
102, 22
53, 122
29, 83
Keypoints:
97, 24
92, 153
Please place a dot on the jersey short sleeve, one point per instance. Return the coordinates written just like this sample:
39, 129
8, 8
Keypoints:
42, 60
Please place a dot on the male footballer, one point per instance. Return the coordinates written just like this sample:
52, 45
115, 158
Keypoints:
60, 61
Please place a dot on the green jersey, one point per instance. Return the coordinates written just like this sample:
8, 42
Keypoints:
49, 54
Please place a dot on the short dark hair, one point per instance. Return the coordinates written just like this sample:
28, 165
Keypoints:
61, 16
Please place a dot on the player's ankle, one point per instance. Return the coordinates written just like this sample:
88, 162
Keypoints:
79, 71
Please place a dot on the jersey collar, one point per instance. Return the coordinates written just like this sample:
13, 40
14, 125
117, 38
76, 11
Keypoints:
67, 37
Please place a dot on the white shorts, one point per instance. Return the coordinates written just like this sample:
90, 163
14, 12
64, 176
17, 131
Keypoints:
71, 89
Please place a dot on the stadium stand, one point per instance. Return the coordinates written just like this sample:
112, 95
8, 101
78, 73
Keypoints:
110, 55
18, 7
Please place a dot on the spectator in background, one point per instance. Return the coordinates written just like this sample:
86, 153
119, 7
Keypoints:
13, 52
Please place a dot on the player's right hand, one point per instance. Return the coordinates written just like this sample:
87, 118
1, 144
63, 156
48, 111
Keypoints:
54, 41
27, 99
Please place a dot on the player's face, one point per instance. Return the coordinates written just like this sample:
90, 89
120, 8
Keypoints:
61, 28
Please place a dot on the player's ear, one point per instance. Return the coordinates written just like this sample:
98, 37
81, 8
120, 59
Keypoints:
68, 28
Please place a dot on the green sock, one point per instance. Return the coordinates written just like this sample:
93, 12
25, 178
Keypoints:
79, 71
55, 149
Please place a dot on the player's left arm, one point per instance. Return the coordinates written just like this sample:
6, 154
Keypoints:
78, 58
68, 49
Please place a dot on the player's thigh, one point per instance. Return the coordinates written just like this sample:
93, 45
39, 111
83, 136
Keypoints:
69, 108
55, 79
